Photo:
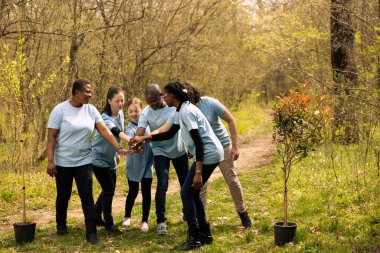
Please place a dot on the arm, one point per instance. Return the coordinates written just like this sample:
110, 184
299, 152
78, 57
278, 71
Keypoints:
165, 127
227, 116
155, 137
52, 139
197, 180
116, 132
108, 136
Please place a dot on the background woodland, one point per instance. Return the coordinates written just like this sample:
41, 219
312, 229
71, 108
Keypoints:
229, 49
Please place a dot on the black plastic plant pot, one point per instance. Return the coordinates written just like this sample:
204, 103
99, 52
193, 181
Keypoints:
24, 232
284, 234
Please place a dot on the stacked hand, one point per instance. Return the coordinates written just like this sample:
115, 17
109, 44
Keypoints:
123, 151
136, 144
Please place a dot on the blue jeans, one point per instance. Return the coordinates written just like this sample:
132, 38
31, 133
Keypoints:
192, 203
64, 182
162, 164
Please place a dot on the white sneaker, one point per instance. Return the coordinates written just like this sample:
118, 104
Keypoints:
126, 221
144, 227
162, 229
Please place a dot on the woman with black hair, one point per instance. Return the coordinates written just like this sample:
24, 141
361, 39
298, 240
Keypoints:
202, 143
70, 128
105, 158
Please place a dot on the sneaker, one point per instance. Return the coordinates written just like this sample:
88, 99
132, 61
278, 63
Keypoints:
114, 230
126, 222
162, 229
61, 230
245, 220
144, 227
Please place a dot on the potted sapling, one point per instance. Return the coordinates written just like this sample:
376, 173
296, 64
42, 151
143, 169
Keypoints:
25, 230
299, 122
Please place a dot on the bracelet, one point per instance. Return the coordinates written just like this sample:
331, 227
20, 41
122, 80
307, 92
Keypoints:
198, 171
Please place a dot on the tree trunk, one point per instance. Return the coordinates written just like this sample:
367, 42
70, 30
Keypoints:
344, 72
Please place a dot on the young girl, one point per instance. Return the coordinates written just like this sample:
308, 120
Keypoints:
203, 144
139, 169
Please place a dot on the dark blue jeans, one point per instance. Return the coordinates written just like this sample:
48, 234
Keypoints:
64, 183
107, 180
162, 164
192, 203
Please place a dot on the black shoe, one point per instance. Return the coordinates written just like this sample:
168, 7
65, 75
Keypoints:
114, 230
245, 220
192, 242
62, 230
92, 238
205, 234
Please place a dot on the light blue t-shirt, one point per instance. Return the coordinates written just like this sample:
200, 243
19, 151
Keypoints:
103, 153
73, 144
190, 117
172, 148
212, 109
139, 165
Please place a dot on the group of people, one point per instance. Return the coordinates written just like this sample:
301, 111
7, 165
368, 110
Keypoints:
177, 123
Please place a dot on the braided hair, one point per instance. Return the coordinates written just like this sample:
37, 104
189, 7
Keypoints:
196, 93
180, 91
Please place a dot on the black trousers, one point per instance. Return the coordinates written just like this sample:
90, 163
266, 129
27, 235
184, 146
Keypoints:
64, 182
146, 185
107, 180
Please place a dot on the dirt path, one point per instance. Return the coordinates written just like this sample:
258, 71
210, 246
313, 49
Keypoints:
256, 152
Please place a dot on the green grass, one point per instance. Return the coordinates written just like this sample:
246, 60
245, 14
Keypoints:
336, 211
249, 114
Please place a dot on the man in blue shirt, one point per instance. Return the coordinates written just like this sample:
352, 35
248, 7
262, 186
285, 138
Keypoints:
155, 115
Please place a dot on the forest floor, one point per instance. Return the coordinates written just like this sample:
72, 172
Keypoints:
256, 150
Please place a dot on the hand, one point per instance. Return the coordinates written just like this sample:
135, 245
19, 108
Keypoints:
197, 181
135, 140
51, 169
234, 153
122, 151
138, 148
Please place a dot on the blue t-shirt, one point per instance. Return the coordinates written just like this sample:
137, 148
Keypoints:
73, 144
139, 165
212, 109
190, 117
172, 148
103, 153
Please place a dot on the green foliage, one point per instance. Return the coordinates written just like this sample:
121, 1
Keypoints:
299, 120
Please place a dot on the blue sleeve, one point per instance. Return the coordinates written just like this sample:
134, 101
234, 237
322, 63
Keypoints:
143, 120
96, 114
108, 121
55, 118
217, 107
190, 120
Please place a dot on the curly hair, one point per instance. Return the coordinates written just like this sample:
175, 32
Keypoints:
183, 91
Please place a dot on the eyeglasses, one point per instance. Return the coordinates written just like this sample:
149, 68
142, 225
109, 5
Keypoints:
163, 96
